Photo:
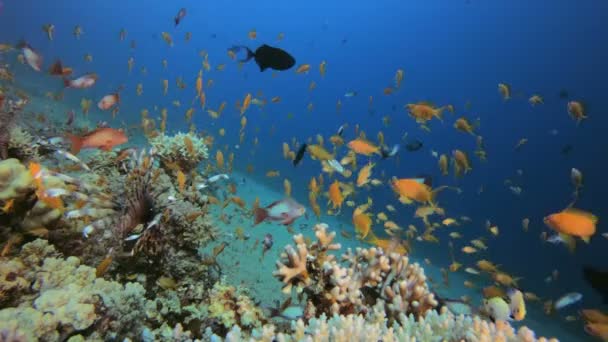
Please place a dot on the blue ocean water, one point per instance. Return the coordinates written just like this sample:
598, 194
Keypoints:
452, 52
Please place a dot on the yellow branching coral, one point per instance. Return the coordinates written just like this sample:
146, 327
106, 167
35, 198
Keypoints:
294, 271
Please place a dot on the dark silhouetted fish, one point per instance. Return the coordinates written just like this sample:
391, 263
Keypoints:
340, 130
268, 57
299, 155
180, 15
385, 152
598, 280
413, 145
563, 94
566, 149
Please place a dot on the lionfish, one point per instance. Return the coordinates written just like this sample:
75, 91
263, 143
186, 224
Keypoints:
132, 216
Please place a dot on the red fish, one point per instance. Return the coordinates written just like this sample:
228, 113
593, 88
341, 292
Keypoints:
81, 82
284, 211
102, 138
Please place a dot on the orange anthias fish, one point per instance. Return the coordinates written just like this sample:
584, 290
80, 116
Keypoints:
389, 245
424, 112
574, 222
362, 222
361, 146
102, 138
364, 174
335, 195
36, 172
413, 189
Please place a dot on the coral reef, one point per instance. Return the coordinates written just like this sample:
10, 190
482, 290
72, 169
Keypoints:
22, 145
15, 180
434, 326
231, 307
185, 151
66, 299
9, 110
366, 277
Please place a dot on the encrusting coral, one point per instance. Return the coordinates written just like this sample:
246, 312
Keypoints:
366, 277
15, 180
231, 307
185, 151
66, 299
22, 145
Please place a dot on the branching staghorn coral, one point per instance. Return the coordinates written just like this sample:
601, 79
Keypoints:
366, 277
435, 326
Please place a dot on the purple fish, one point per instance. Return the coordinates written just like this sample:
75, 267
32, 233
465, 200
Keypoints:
180, 15
1, 6
284, 211
71, 114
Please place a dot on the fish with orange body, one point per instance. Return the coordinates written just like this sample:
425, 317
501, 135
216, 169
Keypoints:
364, 174
414, 189
597, 329
363, 147
389, 245
104, 138
577, 111
573, 222
423, 111
335, 195
363, 223
284, 211
37, 173
246, 103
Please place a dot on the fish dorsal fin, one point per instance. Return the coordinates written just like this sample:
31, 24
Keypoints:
583, 213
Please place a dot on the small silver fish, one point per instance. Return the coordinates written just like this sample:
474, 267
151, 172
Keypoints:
73, 158
567, 299
336, 165
216, 178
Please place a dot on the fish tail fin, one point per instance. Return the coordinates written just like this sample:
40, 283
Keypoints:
260, 215
76, 143
250, 54
66, 82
